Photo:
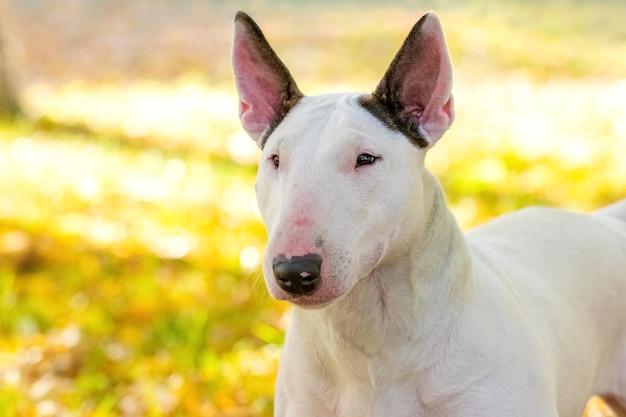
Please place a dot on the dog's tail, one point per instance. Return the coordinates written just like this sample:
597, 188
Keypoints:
617, 210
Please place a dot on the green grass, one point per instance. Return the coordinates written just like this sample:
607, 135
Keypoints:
129, 238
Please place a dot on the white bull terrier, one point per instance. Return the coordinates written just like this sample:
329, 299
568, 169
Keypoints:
397, 312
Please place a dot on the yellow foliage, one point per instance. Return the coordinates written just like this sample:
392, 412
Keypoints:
130, 241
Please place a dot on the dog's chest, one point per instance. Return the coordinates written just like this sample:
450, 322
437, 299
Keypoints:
381, 401
376, 388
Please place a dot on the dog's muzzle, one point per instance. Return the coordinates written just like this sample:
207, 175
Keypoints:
298, 275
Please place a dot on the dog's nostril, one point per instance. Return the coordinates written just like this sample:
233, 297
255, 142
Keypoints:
284, 281
298, 275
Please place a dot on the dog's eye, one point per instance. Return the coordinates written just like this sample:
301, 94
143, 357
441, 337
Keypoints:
365, 159
276, 160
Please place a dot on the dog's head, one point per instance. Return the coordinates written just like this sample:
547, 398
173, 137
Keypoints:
340, 181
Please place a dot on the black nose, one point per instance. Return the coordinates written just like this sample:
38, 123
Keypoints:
298, 275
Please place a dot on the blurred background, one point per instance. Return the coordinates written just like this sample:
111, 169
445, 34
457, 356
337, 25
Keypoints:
130, 241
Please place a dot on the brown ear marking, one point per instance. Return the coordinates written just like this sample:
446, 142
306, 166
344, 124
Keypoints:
262, 55
392, 120
389, 84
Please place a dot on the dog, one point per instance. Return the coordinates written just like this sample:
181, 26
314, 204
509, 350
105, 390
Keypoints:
397, 312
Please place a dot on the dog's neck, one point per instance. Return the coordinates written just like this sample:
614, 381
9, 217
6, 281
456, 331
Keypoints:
406, 297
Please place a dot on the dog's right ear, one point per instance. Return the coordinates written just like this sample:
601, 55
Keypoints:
266, 89
416, 90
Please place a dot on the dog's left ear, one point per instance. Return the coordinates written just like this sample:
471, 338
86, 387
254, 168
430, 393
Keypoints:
266, 89
416, 89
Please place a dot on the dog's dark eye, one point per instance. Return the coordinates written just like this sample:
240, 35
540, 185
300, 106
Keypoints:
276, 160
365, 159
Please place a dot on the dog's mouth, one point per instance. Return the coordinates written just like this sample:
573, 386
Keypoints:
318, 299
310, 302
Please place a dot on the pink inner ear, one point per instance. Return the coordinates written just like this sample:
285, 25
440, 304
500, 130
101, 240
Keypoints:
264, 85
259, 89
432, 80
437, 121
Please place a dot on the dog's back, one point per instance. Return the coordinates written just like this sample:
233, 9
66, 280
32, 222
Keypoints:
566, 268
617, 210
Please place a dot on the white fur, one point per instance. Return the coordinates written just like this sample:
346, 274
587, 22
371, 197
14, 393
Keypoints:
525, 316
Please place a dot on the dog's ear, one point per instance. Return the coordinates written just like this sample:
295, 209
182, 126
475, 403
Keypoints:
416, 89
266, 89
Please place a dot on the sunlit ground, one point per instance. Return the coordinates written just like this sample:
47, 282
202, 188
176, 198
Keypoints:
130, 242
502, 123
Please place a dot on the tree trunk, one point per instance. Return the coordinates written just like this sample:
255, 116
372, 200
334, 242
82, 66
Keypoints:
9, 100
